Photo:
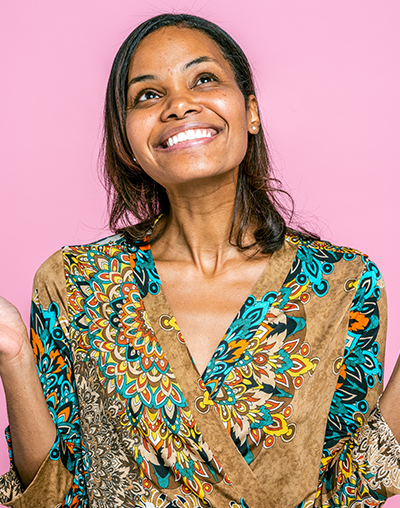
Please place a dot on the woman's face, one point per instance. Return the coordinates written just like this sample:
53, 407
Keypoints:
186, 117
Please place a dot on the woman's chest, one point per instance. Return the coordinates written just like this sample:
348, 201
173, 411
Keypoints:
205, 307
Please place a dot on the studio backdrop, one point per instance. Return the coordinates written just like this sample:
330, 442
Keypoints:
328, 80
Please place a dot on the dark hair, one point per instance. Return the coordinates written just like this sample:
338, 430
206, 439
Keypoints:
134, 196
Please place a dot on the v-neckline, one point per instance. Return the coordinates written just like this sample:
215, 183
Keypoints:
269, 282
190, 389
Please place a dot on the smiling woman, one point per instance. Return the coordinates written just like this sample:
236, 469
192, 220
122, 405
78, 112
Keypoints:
198, 96
207, 74
206, 354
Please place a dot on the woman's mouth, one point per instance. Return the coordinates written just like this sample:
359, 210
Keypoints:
191, 135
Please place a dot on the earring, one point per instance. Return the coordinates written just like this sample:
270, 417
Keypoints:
134, 159
254, 128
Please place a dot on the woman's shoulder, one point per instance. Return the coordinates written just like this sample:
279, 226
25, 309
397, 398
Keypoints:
116, 240
307, 242
326, 257
50, 272
53, 268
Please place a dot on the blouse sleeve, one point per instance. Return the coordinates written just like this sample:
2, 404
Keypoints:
361, 457
61, 478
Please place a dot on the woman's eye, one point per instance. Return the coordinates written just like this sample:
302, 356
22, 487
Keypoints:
206, 79
147, 96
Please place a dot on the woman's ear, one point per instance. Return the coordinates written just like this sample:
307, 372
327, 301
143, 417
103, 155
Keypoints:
253, 120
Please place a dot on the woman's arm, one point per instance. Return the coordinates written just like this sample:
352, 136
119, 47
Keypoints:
31, 426
361, 457
390, 402
40, 385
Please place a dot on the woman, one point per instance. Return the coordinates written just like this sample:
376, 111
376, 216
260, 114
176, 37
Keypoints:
265, 394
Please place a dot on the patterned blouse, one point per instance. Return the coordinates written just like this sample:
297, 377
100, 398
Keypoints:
284, 416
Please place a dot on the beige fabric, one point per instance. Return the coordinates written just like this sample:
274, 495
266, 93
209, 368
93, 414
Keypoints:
49, 282
47, 489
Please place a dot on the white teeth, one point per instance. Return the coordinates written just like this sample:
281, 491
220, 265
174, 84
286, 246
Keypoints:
187, 135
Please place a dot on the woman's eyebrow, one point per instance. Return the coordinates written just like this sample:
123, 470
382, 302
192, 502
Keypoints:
199, 60
152, 77
143, 77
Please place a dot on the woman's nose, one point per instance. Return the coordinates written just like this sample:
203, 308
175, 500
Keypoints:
178, 106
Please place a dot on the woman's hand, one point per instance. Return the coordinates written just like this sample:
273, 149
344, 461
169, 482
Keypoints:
14, 340
26, 406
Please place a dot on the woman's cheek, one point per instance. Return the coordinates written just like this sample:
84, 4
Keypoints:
139, 129
135, 134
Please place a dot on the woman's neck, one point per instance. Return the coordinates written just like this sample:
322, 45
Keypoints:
197, 229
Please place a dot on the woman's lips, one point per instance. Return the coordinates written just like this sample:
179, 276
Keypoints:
190, 136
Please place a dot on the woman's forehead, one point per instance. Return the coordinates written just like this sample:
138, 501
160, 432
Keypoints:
181, 42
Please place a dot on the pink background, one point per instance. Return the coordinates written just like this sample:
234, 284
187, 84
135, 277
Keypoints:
328, 78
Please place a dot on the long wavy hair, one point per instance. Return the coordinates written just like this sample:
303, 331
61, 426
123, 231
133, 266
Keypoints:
135, 200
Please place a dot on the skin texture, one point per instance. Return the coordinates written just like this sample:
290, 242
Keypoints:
196, 263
